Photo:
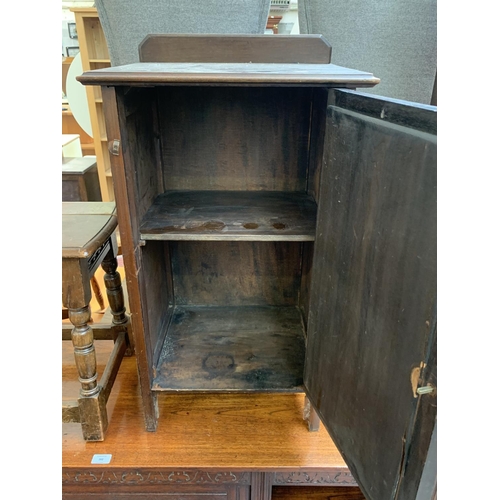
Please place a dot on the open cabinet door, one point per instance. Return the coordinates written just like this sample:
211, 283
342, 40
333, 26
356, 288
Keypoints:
371, 345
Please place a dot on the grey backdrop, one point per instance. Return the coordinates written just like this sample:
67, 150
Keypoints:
396, 40
127, 22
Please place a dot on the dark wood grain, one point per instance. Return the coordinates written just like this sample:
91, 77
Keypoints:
261, 486
240, 139
305, 280
230, 215
316, 141
229, 74
127, 206
235, 49
157, 292
85, 227
232, 349
80, 181
141, 146
316, 493
236, 273
373, 289
407, 114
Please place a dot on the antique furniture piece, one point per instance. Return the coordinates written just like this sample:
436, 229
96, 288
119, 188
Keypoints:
88, 241
278, 233
80, 181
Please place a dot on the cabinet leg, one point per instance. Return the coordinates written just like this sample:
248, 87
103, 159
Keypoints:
93, 415
311, 416
116, 299
151, 411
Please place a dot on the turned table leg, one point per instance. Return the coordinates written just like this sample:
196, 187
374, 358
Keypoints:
97, 293
116, 299
93, 415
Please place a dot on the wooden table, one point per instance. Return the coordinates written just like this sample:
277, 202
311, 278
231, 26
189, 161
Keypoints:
88, 241
207, 446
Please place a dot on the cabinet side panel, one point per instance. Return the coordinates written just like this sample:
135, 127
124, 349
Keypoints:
231, 138
236, 273
373, 291
127, 192
157, 292
142, 150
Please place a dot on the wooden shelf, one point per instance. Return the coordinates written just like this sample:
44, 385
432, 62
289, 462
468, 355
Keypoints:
231, 215
245, 348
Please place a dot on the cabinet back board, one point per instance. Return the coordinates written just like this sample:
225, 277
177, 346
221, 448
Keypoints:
244, 139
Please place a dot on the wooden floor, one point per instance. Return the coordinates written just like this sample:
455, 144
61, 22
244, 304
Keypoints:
250, 432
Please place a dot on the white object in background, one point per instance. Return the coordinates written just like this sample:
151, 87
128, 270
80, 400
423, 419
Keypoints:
77, 95
285, 28
71, 146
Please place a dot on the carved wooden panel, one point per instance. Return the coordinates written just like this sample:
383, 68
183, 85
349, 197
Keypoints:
326, 477
140, 476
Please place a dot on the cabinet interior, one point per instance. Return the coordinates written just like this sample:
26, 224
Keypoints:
225, 195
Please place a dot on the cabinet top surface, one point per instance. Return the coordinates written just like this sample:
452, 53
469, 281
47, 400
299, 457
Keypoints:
325, 75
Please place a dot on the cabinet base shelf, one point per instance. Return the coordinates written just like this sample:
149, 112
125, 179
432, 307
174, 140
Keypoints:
232, 349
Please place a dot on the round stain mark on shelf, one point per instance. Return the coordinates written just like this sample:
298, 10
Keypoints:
218, 363
213, 225
250, 225
279, 225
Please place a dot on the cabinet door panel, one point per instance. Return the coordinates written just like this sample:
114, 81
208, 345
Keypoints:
372, 317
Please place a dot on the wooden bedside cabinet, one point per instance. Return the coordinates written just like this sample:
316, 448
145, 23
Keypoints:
279, 235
